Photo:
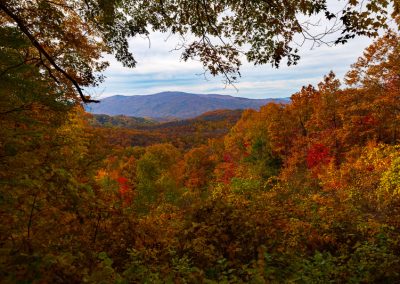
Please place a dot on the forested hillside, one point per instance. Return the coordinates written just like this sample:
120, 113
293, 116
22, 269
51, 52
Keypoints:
184, 134
178, 105
302, 192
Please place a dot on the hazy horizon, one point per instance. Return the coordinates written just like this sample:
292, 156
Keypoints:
192, 93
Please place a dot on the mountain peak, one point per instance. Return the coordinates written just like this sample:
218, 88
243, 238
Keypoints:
173, 104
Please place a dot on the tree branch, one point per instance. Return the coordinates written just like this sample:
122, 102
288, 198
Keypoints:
42, 51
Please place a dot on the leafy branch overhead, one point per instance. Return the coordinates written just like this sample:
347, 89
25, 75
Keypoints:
69, 37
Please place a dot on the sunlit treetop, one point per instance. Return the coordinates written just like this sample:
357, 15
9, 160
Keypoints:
68, 37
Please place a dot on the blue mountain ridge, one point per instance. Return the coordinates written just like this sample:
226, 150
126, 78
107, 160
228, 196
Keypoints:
174, 104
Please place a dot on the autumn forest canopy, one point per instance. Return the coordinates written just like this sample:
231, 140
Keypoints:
306, 191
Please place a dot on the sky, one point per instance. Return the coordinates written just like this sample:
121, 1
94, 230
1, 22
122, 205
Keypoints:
159, 68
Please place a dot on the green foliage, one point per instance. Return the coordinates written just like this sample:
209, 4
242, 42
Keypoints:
155, 176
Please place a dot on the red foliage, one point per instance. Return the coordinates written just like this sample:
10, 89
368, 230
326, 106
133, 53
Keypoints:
124, 189
335, 185
229, 173
226, 169
368, 120
370, 168
317, 154
122, 180
227, 158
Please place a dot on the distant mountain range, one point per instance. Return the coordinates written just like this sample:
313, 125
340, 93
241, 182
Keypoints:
173, 104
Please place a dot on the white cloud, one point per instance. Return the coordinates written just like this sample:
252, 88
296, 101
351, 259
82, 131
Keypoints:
159, 69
